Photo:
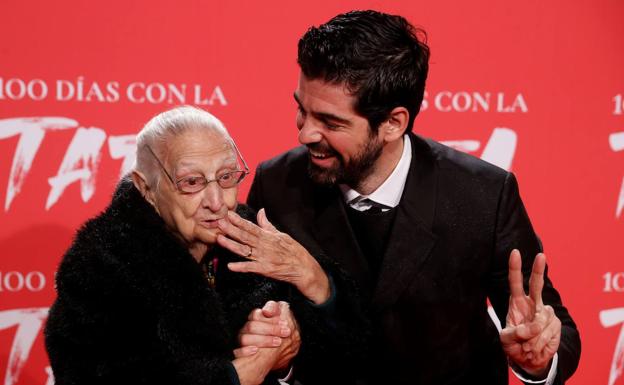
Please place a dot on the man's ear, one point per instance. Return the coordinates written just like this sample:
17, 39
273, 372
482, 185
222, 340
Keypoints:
394, 127
140, 182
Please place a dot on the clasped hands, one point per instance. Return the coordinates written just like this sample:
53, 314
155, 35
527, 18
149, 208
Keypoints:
533, 331
268, 342
270, 339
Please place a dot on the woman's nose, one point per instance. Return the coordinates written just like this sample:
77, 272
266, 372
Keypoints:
212, 197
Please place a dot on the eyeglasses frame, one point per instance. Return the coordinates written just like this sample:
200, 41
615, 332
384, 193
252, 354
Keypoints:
245, 171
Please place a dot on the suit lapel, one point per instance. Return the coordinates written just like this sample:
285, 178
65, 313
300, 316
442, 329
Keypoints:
411, 239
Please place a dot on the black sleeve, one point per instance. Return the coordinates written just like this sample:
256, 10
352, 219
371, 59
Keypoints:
100, 331
514, 230
335, 335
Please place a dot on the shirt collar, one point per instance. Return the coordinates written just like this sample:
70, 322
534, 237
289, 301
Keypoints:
390, 192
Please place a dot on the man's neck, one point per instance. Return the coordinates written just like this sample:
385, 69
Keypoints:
383, 167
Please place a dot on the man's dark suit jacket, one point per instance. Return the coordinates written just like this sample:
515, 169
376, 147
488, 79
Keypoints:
456, 224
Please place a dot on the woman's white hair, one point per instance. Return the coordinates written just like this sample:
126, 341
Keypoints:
162, 128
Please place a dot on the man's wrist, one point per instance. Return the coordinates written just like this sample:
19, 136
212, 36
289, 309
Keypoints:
547, 378
535, 374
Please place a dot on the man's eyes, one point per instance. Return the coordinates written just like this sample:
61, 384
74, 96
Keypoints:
331, 126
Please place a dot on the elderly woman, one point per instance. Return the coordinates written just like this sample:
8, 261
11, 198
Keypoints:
147, 296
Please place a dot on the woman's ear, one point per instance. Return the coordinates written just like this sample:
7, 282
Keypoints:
140, 182
394, 127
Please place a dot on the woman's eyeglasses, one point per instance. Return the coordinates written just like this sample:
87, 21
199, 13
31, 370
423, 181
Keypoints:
193, 184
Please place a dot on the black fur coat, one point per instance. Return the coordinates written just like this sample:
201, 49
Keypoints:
133, 307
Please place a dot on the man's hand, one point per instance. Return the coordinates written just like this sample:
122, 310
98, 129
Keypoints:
532, 333
273, 254
272, 327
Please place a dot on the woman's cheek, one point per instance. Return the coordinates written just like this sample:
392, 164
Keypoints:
190, 207
229, 197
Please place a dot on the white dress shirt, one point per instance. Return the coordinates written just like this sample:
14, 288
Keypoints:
388, 195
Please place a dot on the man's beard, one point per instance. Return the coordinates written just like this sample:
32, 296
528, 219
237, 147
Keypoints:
351, 174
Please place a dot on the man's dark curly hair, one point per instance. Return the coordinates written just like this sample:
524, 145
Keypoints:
381, 58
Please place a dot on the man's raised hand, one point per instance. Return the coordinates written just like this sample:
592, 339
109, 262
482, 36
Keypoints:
532, 332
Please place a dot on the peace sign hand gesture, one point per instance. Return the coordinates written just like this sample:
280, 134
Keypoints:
532, 333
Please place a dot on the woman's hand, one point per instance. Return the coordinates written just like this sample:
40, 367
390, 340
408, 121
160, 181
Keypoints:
252, 369
270, 339
273, 254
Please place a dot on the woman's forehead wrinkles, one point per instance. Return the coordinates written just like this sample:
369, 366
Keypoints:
223, 152
193, 162
206, 167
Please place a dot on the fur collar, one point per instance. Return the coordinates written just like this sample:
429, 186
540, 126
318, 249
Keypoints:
151, 264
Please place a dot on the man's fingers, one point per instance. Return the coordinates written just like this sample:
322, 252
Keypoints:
259, 340
519, 334
263, 221
540, 342
266, 329
284, 310
512, 350
529, 330
508, 336
245, 351
271, 309
549, 336
258, 315
536, 282
543, 317
515, 274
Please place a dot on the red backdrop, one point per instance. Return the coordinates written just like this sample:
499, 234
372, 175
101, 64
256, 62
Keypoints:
535, 87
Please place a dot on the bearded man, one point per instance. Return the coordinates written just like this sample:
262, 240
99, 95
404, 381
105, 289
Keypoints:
429, 234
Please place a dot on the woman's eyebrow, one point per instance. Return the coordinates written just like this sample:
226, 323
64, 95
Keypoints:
192, 165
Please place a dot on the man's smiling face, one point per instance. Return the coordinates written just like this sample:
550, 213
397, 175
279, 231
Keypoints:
342, 147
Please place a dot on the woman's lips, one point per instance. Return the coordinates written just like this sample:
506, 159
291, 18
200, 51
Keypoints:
209, 223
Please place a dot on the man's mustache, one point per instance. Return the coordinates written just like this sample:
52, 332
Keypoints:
322, 148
